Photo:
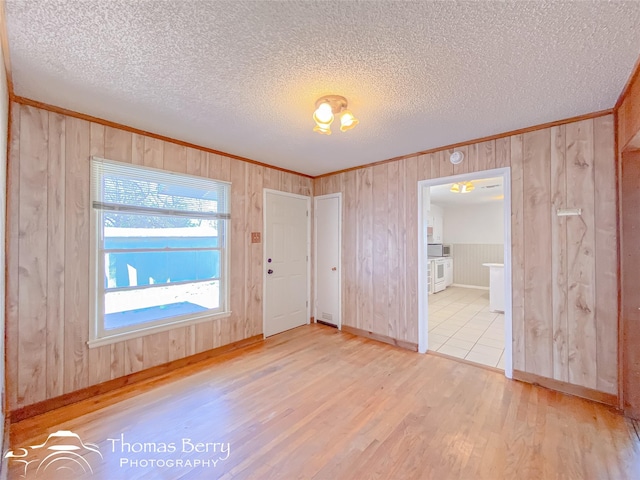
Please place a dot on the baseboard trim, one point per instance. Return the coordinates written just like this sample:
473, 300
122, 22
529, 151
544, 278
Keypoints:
477, 287
568, 388
83, 394
381, 338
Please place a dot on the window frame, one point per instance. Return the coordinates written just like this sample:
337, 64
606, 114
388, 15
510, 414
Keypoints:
98, 336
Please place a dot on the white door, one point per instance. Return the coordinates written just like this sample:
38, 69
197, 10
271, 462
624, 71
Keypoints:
286, 248
327, 214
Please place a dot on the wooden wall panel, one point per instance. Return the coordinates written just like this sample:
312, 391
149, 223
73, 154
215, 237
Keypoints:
628, 162
393, 250
409, 329
133, 355
137, 149
76, 280
464, 166
629, 115
503, 152
630, 270
255, 275
238, 251
48, 261
365, 249
446, 167
153, 153
474, 158
380, 244
581, 253
55, 255
516, 156
197, 163
403, 319
607, 256
559, 290
349, 243
175, 158
435, 164
12, 316
100, 357
118, 144
538, 335
424, 167
550, 330
32, 258
486, 155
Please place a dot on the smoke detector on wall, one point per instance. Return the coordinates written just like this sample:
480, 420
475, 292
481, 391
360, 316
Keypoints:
456, 157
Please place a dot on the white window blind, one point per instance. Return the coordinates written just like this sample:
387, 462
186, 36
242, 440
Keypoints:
118, 186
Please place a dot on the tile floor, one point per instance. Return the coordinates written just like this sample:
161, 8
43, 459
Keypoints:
461, 325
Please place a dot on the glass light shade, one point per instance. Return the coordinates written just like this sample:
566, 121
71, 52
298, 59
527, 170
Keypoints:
462, 187
323, 114
347, 121
324, 128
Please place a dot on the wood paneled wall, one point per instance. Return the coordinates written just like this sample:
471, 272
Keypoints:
629, 114
563, 268
48, 245
628, 140
4, 135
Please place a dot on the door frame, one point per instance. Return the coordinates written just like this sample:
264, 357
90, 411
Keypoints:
265, 192
423, 295
315, 255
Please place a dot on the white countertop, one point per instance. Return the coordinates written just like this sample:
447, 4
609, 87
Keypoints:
493, 265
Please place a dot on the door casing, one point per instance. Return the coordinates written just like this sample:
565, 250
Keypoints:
423, 306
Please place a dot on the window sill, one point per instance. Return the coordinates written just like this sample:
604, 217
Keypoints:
143, 332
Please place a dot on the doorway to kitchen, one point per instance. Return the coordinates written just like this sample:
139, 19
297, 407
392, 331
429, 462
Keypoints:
465, 267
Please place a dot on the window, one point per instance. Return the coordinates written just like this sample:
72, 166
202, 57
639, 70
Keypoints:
160, 250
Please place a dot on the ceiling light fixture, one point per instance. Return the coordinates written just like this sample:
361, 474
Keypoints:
326, 109
462, 187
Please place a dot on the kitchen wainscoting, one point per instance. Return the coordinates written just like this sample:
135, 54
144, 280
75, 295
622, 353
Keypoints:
468, 260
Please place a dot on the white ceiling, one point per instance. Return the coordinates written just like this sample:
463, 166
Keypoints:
243, 76
486, 190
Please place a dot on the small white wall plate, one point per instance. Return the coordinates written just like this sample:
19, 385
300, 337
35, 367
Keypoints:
456, 157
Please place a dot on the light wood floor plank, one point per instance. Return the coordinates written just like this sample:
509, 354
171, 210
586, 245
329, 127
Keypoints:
315, 403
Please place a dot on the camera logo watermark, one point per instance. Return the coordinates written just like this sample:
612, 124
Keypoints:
64, 455
62, 451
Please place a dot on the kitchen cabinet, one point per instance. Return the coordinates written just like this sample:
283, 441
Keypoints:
448, 272
496, 286
436, 223
437, 227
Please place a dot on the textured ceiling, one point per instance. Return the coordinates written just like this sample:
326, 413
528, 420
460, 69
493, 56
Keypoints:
243, 76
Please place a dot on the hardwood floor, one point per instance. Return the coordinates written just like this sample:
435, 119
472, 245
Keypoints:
315, 403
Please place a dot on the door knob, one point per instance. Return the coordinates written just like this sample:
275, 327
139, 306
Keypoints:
334, 269
269, 271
